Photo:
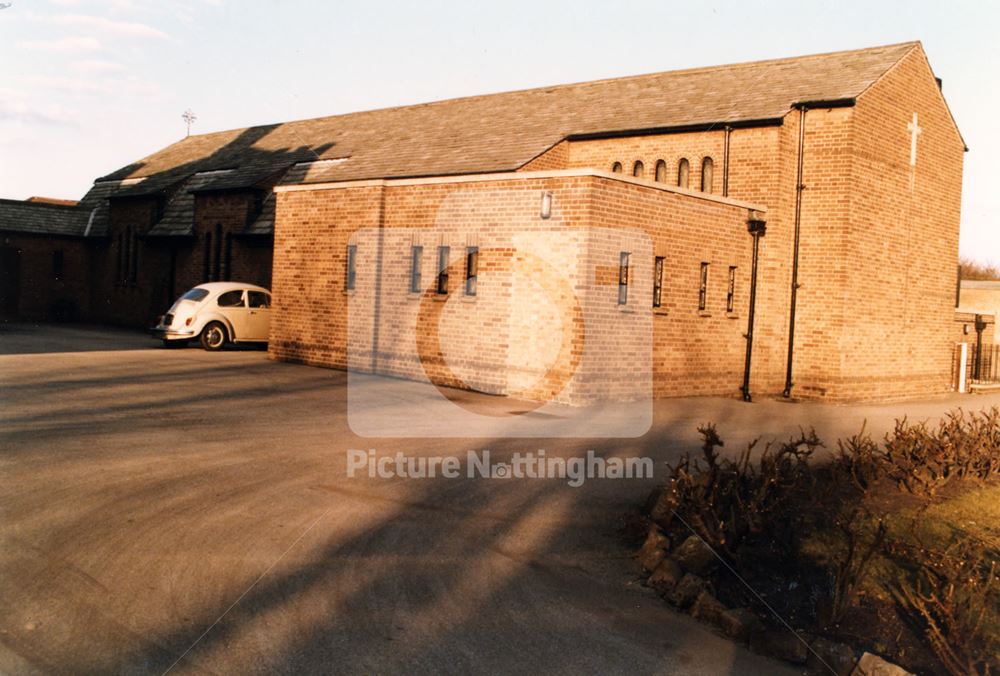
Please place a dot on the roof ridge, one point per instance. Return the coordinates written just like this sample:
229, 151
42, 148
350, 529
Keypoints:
48, 205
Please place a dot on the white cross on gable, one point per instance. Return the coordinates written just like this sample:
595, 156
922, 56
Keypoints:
914, 130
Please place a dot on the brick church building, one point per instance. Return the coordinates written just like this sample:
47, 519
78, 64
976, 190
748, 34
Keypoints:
783, 227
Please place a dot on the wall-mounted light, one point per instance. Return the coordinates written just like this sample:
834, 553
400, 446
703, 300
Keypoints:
546, 204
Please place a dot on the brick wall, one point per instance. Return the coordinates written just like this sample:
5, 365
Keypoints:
507, 338
39, 289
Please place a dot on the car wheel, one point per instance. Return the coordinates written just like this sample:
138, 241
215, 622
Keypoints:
213, 336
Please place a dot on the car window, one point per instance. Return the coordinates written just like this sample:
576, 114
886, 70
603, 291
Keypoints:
231, 299
258, 299
195, 295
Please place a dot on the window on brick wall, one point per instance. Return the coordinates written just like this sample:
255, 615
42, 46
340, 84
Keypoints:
683, 173
623, 277
471, 270
57, 264
351, 271
442, 270
217, 254
707, 174
206, 258
616, 167
658, 281
731, 289
638, 169
227, 258
133, 264
120, 265
661, 171
416, 259
703, 287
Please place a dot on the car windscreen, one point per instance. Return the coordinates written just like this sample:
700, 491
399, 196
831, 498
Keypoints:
195, 295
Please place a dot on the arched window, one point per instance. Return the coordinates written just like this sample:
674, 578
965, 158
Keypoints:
683, 173
661, 171
707, 174
638, 169
616, 167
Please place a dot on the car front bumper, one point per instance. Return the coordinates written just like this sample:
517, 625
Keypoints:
167, 333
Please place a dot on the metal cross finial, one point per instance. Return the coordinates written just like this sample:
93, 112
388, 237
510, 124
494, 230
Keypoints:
189, 117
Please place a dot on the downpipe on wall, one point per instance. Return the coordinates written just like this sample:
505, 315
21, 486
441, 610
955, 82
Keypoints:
756, 227
799, 187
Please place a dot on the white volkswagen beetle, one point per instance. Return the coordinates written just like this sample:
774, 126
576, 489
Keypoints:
217, 313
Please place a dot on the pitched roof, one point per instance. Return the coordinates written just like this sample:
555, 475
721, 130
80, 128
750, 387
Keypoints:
502, 132
41, 218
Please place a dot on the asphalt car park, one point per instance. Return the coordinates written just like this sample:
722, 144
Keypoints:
190, 511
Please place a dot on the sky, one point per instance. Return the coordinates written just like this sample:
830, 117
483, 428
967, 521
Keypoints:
88, 86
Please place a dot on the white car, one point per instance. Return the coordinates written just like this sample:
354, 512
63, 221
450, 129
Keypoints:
218, 313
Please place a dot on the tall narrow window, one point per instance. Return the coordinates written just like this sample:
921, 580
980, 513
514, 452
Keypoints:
703, 287
623, 277
217, 257
133, 264
731, 289
351, 273
442, 272
416, 256
120, 267
227, 258
658, 281
661, 171
206, 258
638, 169
127, 260
471, 270
57, 264
707, 174
616, 167
683, 173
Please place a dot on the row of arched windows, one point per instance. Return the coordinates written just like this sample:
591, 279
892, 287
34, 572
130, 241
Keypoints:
683, 172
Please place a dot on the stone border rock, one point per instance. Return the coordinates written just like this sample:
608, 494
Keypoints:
679, 575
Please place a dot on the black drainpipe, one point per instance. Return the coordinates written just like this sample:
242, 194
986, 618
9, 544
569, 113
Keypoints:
379, 246
799, 187
725, 162
757, 228
978, 364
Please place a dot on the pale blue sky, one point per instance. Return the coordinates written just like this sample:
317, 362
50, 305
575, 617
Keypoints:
90, 85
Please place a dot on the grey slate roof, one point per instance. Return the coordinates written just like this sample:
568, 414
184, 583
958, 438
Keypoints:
502, 132
477, 134
41, 218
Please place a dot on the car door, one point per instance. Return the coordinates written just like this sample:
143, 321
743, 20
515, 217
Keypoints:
259, 315
232, 305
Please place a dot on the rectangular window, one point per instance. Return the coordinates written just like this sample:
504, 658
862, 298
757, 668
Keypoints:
442, 273
351, 274
731, 291
703, 287
658, 281
57, 264
416, 254
623, 277
471, 270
